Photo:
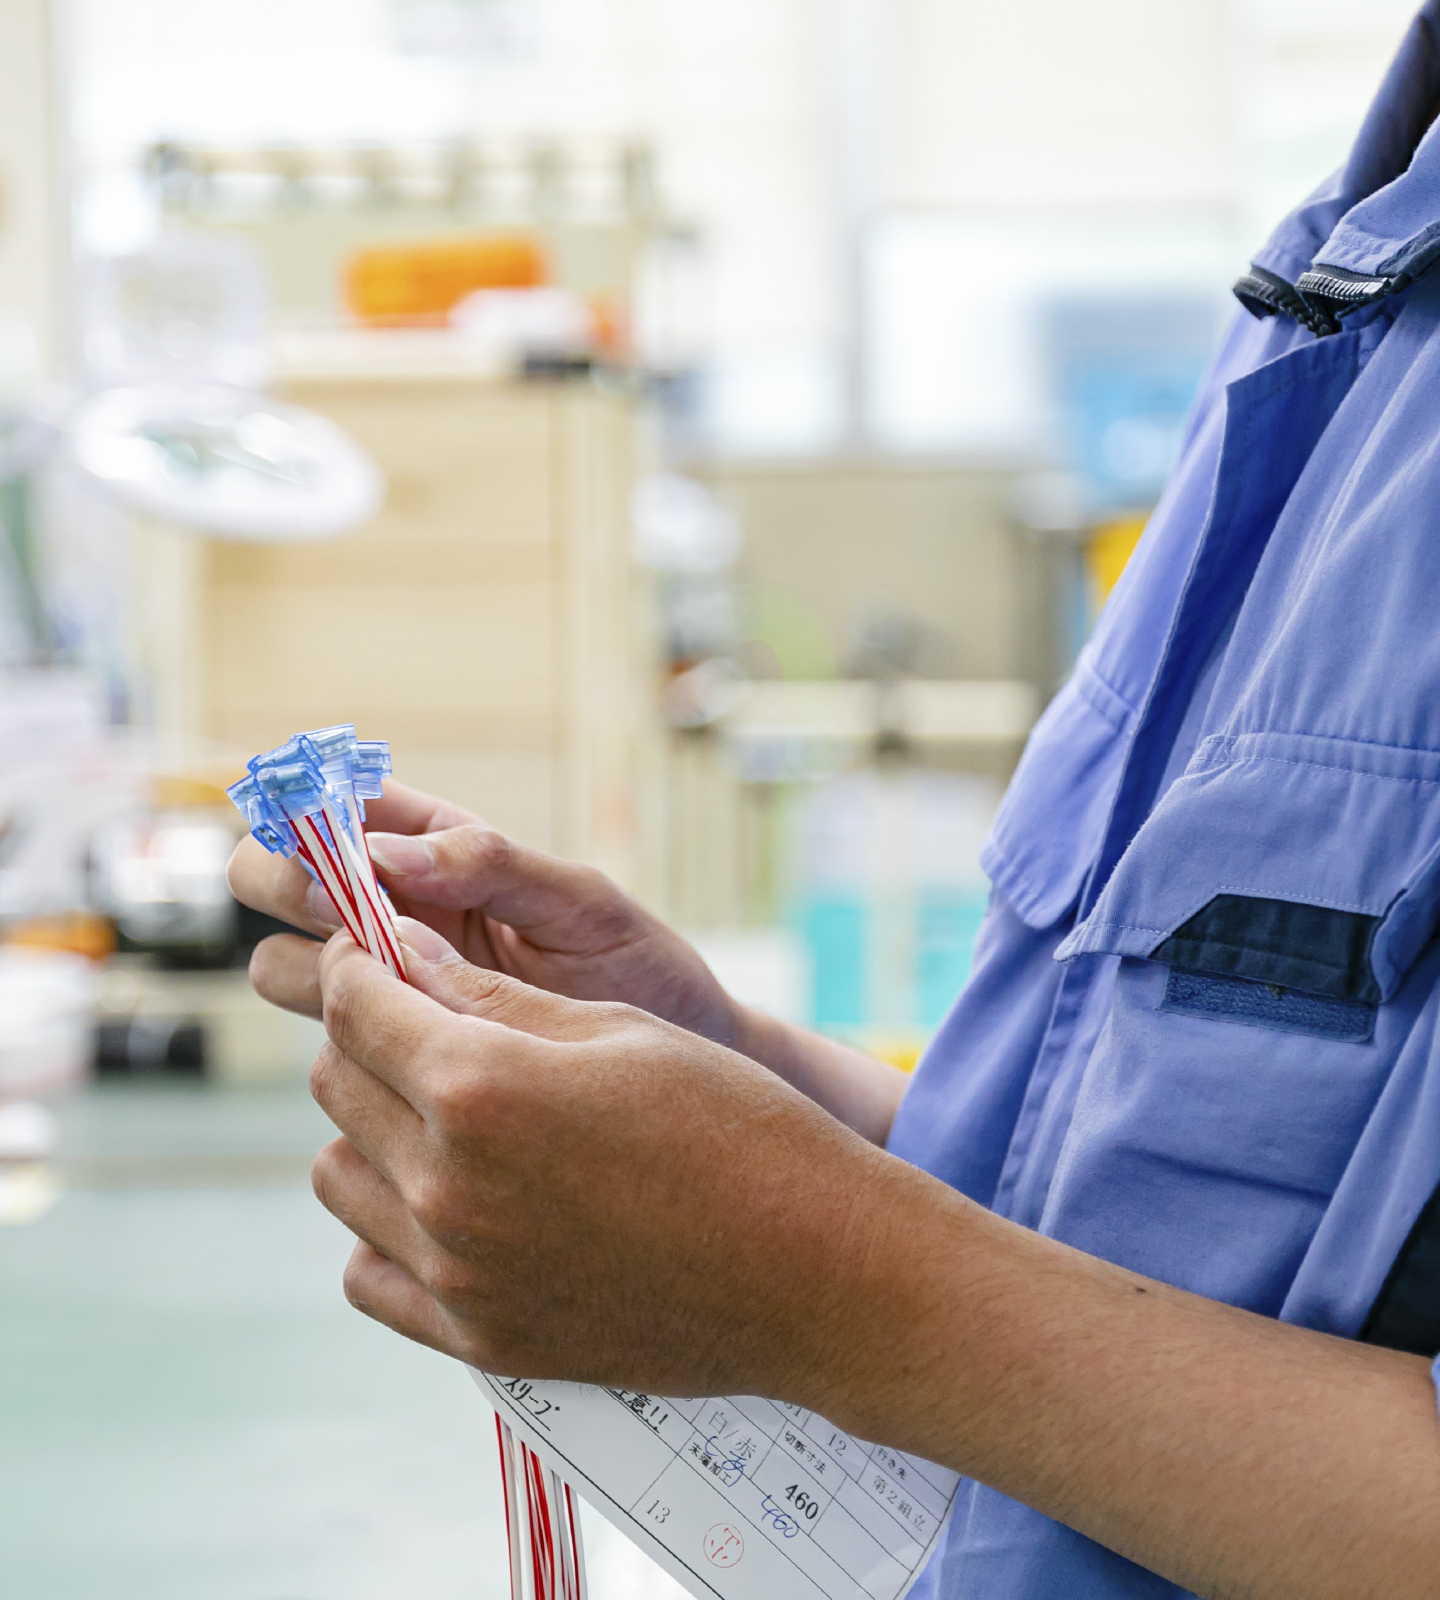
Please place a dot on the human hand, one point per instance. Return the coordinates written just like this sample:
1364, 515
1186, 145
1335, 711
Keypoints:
550, 1187
553, 924
545, 1187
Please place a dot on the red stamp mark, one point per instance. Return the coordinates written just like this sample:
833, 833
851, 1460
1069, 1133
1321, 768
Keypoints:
724, 1545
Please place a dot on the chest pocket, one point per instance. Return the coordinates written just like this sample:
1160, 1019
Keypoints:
1273, 904
1287, 881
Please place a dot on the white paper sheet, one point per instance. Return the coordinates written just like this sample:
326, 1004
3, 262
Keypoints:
738, 1498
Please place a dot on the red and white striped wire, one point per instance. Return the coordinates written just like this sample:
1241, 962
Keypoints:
344, 869
542, 1514
542, 1525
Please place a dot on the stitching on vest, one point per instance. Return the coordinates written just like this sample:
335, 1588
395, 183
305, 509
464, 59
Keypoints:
1095, 929
1318, 766
1250, 735
1120, 927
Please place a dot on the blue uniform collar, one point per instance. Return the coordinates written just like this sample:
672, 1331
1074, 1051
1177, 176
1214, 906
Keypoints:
1373, 227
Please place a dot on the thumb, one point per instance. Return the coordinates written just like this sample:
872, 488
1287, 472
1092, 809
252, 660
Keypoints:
473, 868
439, 971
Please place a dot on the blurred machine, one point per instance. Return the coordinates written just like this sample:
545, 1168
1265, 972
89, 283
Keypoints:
488, 619
854, 649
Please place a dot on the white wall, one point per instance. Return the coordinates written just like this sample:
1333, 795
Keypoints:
1303, 73
31, 223
1045, 102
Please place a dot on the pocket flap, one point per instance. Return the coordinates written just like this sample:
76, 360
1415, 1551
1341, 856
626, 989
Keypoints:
1284, 859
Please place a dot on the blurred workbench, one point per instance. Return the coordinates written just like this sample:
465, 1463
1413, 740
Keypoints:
489, 621
722, 844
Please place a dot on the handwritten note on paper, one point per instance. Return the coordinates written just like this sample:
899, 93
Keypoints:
739, 1498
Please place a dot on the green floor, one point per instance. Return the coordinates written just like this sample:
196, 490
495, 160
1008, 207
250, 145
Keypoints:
190, 1411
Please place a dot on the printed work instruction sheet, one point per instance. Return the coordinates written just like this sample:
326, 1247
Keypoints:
738, 1498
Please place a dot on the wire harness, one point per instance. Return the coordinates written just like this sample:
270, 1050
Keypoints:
306, 798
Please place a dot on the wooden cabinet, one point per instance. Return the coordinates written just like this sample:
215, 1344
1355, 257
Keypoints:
489, 622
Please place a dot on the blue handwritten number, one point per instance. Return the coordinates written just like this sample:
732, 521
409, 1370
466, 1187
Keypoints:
785, 1526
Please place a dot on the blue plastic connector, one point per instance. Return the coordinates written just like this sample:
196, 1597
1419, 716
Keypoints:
334, 749
369, 764
296, 788
299, 777
272, 829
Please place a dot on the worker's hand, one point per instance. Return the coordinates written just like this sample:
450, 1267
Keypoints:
554, 924
551, 1187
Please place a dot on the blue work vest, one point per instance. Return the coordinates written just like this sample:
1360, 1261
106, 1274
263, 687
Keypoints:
1200, 1039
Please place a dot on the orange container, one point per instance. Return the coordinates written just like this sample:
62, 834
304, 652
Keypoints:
421, 282
83, 933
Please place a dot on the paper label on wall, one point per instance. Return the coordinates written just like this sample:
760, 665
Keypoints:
738, 1498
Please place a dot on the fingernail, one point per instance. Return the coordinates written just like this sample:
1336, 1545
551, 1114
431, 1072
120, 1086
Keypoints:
424, 941
321, 907
401, 855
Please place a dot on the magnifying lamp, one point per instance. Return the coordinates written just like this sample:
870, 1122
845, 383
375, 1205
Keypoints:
225, 461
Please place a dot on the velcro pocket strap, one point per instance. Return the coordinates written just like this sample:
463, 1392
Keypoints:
1268, 1005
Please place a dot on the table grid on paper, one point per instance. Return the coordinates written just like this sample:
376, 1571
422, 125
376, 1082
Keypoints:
856, 1518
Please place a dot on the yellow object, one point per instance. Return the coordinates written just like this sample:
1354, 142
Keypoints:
172, 792
1110, 547
422, 282
902, 1053
81, 933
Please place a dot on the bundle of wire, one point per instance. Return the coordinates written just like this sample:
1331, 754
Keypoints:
547, 1555
306, 798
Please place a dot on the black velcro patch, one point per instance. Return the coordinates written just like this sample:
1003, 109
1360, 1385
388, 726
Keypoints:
1310, 948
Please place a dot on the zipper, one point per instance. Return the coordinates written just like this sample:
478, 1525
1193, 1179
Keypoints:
1337, 290
1267, 294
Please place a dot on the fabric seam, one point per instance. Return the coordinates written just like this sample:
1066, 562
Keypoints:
1318, 766
1082, 688
1323, 738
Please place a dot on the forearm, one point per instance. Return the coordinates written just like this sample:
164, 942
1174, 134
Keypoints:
853, 1087
603, 1196
1235, 1455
